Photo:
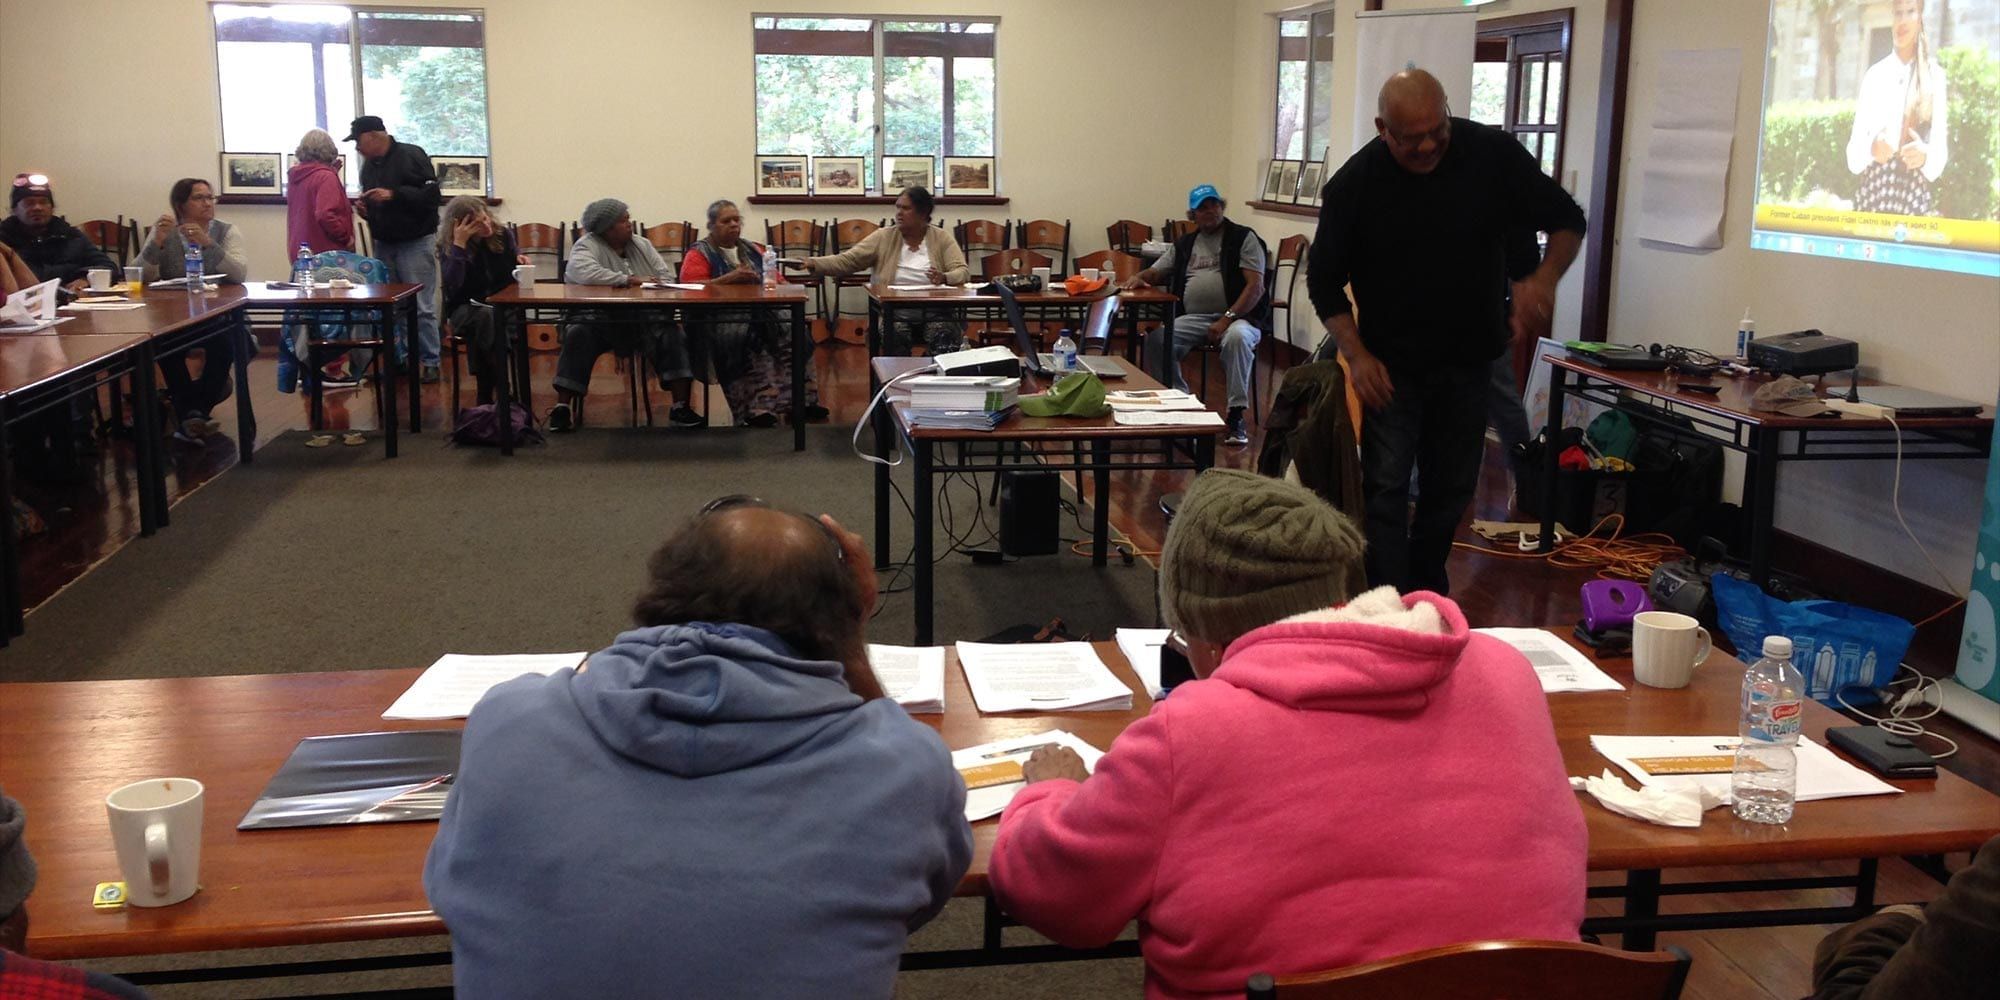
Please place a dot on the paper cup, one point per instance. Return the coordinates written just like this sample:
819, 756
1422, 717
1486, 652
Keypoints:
1666, 647
1042, 274
1089, 273
156, 828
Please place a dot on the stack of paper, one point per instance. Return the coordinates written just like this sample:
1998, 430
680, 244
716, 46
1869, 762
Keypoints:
686, 286
1168, 418
31, 308
1680, 761
1557, 663
208, 281
450, 687
911, 675
992, 771
1154, 400
1141, 647
961, 392
1040, 677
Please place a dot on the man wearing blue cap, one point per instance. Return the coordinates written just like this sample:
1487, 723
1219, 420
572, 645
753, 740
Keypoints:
1217, 271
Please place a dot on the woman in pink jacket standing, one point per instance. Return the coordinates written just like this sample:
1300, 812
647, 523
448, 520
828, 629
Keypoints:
1347, 781
318, 215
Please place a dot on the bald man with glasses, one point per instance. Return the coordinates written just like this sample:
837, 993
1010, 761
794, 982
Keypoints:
1420, 222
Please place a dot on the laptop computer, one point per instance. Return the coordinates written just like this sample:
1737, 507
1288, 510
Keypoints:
1916, 402
1096, 326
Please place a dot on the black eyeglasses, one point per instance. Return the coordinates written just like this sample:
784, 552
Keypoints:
737, 500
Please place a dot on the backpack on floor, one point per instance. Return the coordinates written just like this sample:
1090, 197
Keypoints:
481, 425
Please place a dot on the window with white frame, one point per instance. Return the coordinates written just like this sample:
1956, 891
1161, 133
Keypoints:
285, 68
1302, 128
874, 87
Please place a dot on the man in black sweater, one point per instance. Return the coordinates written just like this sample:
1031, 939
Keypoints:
1419, 223
400, 198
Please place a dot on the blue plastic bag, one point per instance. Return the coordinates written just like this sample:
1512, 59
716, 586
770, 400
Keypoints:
1834, 645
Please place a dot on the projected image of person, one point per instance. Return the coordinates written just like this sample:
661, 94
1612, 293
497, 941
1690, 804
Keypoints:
1898, 146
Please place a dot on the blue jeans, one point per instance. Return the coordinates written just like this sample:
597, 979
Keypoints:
1239, 351
415, 262
1437, 423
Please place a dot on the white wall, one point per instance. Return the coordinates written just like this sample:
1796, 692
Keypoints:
1088, 129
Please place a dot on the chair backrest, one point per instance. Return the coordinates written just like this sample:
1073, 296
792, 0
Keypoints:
1012, 262
1126, 235
1177, 228
364, 237
1097, 324
534, 239
672, 240
1546, 970
1049, 237
983, 235
1124, 265
847, 233
1292, 250
350, 265
108, 236
796, 237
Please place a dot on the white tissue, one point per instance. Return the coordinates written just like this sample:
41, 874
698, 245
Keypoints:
1681, 806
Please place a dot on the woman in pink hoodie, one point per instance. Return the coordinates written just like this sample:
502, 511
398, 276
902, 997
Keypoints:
1349, 780
317, 212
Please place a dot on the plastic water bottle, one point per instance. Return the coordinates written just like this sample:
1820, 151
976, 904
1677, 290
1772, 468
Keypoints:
1065, 353
302, 268
191, 264
1765, 779
1746, 332
771, 272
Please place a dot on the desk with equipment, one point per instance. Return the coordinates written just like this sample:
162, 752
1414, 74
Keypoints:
884, 301
356, 305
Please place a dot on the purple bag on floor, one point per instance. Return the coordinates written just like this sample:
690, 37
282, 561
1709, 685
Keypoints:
481, 425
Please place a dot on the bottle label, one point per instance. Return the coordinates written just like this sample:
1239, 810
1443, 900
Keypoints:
1784, 720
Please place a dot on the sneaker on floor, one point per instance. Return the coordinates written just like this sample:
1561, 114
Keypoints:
338, 380
1236, 437
684, 416
762, 420
430, 374
561, 419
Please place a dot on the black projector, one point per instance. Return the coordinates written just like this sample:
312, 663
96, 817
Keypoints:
1807, 352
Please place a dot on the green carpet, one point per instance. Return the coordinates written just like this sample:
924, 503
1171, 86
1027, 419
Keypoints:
335, 559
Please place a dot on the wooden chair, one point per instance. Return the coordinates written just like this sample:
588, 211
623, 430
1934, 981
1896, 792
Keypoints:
1125, 236
1177, 228
1122, 264
1205, 349
110, 237
539, 239
980, 238
1048, 237
672, 240
801, 238
1292, 250
1012, 262
845, 235
364, 238
1489, 970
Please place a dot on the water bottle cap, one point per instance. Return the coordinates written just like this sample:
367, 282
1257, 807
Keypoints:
1777, 647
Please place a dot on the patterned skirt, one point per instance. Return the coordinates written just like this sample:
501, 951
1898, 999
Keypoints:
1895, 189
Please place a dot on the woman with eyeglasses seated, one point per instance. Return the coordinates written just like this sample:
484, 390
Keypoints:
163, 255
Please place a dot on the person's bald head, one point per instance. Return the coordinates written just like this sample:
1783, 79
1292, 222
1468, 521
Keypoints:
1413, 116
762, 567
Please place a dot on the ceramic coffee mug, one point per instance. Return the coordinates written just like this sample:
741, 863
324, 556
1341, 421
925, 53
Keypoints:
100, 278
525, 274
1666, 647
1089, 273
156, 827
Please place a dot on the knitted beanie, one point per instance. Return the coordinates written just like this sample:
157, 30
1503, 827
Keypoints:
26, 186
17, 869
602, 214
1247, 550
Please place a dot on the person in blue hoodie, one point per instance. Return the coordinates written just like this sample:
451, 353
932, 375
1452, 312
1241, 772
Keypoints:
720, 803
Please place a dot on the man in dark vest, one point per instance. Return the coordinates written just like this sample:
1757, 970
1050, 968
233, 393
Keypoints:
1217, 271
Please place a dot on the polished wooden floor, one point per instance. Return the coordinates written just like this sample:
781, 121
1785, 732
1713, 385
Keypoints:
94, 515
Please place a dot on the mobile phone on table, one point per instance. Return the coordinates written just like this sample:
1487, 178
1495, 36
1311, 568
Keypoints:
1884, 752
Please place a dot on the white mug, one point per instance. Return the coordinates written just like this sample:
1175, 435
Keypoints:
100, 278
1089, 273
1666, 647
524, 274
156, 827
1042, 273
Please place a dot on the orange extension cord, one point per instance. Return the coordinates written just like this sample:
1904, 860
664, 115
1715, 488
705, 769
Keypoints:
1613, 558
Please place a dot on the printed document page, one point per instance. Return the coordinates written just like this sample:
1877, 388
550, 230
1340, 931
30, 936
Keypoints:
1040, 676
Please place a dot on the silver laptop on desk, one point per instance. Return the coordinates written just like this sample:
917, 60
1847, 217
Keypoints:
1096, 329
1916, 402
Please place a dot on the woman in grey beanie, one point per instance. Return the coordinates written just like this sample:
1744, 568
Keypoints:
609, 254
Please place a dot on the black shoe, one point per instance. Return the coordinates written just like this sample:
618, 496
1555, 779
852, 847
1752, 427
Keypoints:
684, 416
1236, 437
429, 375
561, 420
816, 412
762, 420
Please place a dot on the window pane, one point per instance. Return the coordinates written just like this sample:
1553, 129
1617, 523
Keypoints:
1549, 143
1319, 131
825, 24
427, 84
912, 105
1489, 93
1292, 27
1552, 113
267, 95
817, 105
972, 107
1290, 134
1531, 93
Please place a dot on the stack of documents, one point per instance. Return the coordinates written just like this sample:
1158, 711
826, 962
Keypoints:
1166, 418
30, 309
685, 286
992, 771
1678, 761
450, 687
1154, 400
961, 402
208, 282
1041, 677
1557, 663
1141, 647
913, 676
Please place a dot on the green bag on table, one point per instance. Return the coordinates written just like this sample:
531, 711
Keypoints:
1078, 394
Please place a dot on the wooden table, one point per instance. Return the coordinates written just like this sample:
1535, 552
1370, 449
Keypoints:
517, 301
383, 303
1765, 439
39, 371
884, 300
322, 885
1098, 446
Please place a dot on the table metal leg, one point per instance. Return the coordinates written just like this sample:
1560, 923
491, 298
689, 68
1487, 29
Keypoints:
801, 357
503, 393
1100, 507
920, 461
12, 615
1550, 447
146, 445
388, 399
876, 319
1642, 894
415, 362
246, 415
883, 428
1761, 474
1204, 454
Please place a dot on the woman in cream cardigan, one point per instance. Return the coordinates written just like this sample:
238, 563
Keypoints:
912, 252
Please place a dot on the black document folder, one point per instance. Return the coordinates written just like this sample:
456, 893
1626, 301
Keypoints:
396, 777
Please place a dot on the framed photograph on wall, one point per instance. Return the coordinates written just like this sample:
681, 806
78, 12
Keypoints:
781, 175
1288, 183
1271, 179
899, 172
968, 175
252, 173
838, 175
1309, 181
459, 175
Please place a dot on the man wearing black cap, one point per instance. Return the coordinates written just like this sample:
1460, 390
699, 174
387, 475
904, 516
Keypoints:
400, 199
51, 247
